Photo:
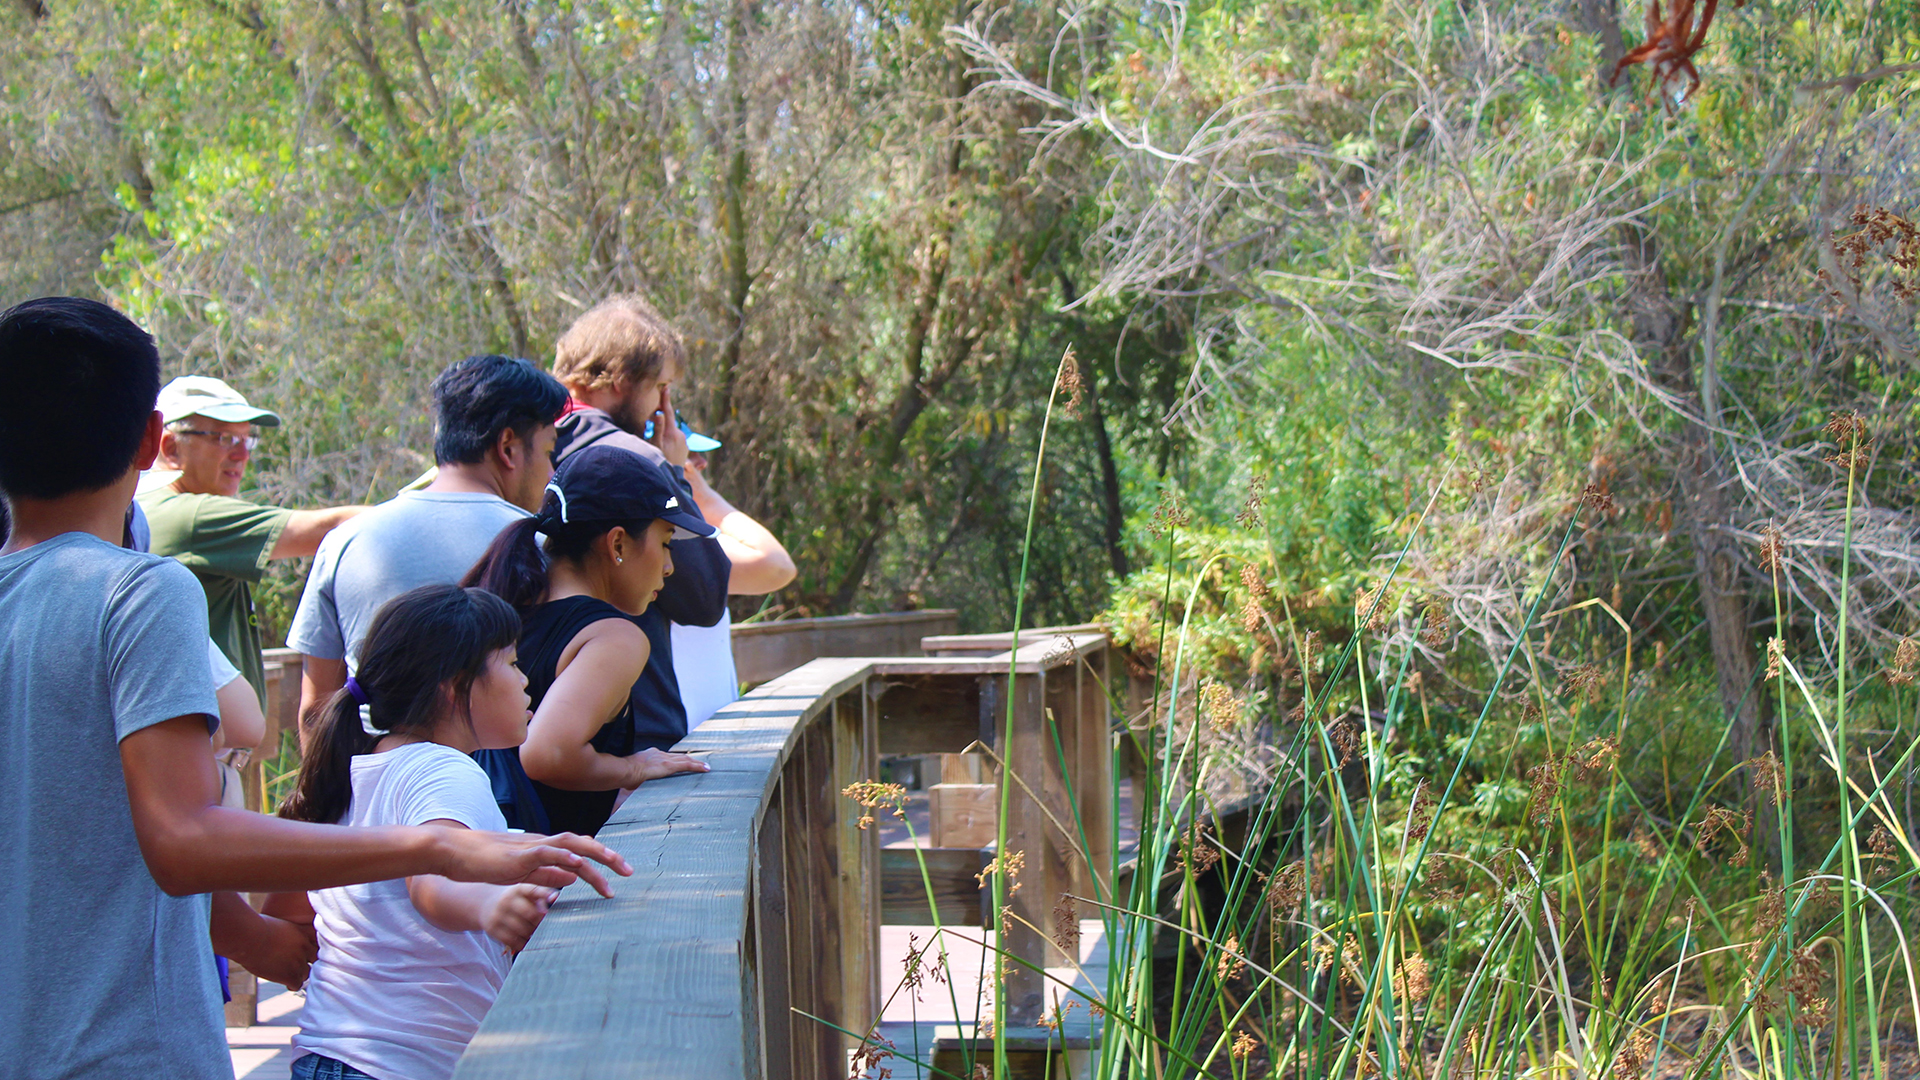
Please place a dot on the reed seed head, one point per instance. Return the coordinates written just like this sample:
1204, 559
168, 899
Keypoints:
1344, 734
1231, 964
1287, 887
1223, 708
1776, 654
1420, 815
1880, 843
1773, 546
1066, 926
1545, 784
1197, 851
1375, 605
1438, 627
1007, 863
1071, 382
1906, 664
872, 794
1169, 515
1243, 1046
1723, 821
1769, 778
1597, 498
1251, 615
1249, 515
1411, 981
1585, 679
867, 1060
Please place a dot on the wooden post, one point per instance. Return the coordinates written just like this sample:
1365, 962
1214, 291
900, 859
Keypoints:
857, 890
770, 924
1022, 936
1094, 781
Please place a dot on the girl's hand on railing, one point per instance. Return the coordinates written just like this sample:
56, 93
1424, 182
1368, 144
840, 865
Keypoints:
527, 858
513, 913
654, 764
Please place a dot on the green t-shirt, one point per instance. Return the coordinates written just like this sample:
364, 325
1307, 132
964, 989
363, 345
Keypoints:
225, 542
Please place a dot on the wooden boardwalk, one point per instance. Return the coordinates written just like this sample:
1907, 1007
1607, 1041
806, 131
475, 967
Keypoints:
916, 1024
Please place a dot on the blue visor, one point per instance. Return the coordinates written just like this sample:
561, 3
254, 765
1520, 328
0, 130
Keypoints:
696, 442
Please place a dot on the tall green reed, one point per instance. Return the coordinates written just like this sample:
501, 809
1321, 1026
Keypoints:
1368, 919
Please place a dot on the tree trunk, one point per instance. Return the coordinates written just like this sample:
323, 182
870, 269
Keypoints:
1660, 329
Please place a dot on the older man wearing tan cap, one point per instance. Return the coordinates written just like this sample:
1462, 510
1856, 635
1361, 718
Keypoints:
192, 507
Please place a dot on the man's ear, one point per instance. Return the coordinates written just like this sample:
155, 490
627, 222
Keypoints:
152, 441
510, 449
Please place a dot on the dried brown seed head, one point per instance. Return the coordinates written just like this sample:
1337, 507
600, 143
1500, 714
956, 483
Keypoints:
1411, 981
1243, 1046
1231, 964
872, 794
1066, 927
1223, 708
1009, 863
1071, 382
1773, 545
1598, 499
1249, 515
1544, 783
1586, 679
1287, 887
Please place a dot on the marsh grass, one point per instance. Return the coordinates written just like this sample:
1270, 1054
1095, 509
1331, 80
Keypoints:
1571, 882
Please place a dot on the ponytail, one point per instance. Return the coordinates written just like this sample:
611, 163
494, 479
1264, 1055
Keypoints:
424, 647
513, 568
326, 769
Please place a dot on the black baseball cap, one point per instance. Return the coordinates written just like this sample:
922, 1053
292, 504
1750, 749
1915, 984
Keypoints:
608, 483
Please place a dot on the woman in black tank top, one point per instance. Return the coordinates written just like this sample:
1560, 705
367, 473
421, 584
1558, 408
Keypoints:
607, 518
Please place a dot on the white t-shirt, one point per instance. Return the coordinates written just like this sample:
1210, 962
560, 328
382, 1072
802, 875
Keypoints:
703, 666
391, 994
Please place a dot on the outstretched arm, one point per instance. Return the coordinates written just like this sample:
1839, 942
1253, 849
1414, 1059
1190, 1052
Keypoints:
306, 528
591, 688
508, 914
191, 844
760, 562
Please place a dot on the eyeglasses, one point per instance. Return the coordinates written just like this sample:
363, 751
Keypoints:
227, 442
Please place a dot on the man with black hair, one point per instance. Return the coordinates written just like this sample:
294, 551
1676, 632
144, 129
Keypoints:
194, 512
108, 796
493, 443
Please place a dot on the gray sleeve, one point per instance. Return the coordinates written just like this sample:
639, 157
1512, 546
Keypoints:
156, 645
316, 622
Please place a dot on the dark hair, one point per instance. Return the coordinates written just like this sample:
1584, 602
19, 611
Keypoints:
515, 568
420, 641
475, 399
81, 380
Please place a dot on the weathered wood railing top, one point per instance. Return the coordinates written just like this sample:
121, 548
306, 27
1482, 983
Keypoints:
755, 901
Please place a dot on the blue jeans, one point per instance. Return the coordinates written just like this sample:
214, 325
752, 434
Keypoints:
315, 1067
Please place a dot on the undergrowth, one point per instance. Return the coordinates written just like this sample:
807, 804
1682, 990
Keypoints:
1368, 850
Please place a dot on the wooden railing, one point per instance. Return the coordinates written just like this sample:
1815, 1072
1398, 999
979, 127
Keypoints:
749, 932
766, 650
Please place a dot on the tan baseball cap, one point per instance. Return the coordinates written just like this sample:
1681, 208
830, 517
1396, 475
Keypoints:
201, 395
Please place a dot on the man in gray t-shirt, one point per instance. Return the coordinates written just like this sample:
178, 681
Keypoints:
493, 442
64, 889
417, 538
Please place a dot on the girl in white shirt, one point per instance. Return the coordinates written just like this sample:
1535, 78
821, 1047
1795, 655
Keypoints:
408, 968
